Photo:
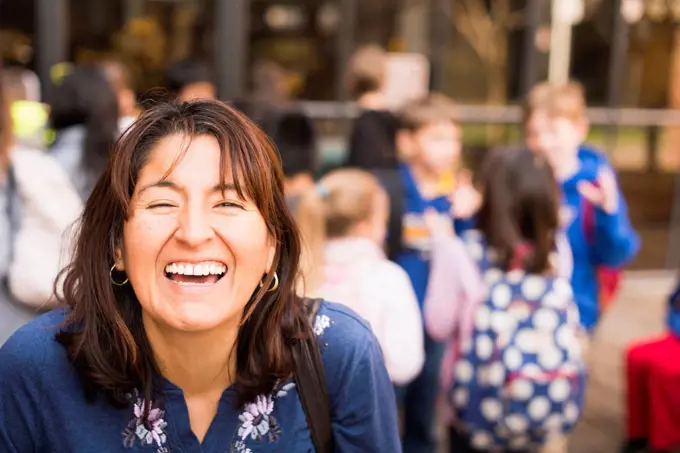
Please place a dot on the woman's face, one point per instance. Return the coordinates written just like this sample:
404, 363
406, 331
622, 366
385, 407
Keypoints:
193, 251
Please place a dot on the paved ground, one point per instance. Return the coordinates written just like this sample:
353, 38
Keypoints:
650, 199
638, 313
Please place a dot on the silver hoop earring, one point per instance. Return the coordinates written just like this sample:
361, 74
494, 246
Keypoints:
123, 283
274, 286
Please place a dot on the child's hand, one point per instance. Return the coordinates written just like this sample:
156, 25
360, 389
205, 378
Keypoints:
604, 195
437, 224
465, 200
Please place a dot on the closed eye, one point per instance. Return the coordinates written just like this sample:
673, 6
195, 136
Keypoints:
160, 205
229, 204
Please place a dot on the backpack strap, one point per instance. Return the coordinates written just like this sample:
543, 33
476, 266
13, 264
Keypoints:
12, 208
589, 218
311, 381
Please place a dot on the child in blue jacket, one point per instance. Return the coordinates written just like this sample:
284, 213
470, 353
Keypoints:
594, 212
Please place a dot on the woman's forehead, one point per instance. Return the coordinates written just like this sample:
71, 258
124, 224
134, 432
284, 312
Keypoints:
181, 156
180, 161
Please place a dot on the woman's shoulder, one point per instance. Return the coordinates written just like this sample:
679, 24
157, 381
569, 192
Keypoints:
360, 390
344, 336
33, 348
338, 323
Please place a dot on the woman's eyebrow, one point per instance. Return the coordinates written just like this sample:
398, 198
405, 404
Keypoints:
222, 187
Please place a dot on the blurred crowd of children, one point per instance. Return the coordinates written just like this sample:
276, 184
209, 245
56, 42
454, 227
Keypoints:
483, 288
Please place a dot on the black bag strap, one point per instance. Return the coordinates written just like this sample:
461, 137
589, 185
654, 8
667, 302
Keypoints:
11, 208
311, 382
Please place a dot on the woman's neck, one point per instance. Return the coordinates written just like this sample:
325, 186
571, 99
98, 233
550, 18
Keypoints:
196, 362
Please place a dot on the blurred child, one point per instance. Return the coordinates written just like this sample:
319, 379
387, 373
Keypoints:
652, 390
119, 78
513, 374
594, 212
29, 115
430, 141
295, 137
373, 141
271, 92
38, 206
188, 80
343, 223
84, 115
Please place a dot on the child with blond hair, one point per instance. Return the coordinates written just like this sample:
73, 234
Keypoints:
343, 221
594, 211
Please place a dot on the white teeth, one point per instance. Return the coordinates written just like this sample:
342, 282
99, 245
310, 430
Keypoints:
198, 269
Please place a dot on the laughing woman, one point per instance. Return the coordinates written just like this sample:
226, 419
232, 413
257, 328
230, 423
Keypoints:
182, 320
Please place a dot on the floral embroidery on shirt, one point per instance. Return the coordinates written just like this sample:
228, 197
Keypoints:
321, 323
258, 423
148, 433
240, 447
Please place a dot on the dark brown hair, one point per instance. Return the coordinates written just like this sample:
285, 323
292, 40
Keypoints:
104, 335
520, 207
433, 108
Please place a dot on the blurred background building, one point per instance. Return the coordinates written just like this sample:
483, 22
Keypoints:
482, 51
486, 54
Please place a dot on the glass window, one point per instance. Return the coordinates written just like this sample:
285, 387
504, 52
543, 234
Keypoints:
300, 37
145, 35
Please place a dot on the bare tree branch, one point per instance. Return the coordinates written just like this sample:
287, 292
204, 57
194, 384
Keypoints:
500, 10
463, 24
485, 25
473, 22
477, 11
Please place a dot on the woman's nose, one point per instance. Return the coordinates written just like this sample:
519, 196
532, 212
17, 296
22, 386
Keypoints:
195, 227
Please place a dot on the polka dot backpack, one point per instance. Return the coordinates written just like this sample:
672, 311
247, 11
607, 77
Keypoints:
520, 377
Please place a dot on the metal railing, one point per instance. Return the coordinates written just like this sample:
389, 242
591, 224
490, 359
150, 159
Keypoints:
512, 114
648, 119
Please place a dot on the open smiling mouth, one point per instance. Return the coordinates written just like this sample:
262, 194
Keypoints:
187, 274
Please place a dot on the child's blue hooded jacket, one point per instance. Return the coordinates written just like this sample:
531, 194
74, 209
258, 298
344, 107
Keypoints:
614, 243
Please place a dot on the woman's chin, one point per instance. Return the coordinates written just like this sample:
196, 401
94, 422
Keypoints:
195, 316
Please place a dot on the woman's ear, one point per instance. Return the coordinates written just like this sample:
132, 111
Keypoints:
119, 263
